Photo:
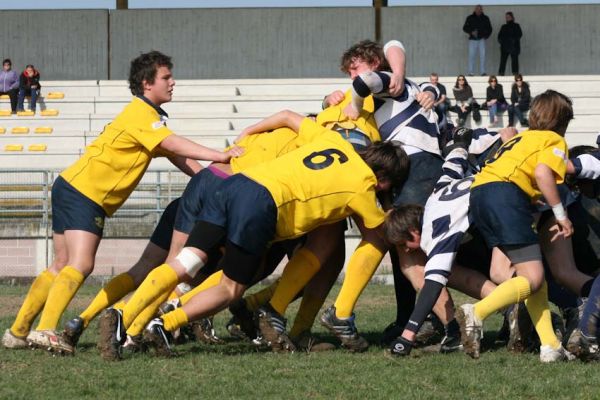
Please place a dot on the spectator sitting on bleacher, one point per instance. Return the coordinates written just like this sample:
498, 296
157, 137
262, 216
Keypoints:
494, 100
465, 102
29, 85
520, 97
442, 103
9, 83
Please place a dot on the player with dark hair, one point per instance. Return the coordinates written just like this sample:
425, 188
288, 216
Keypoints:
95, 187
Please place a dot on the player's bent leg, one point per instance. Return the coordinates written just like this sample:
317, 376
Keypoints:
470, 282
313, 297
32, 306
38, 292
361, 267
551, 349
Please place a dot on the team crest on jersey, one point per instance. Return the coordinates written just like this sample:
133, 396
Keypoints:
99, 221
158, 124
560, 153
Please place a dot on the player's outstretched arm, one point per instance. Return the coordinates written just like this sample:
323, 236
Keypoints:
282, 119
181, 146
186, 165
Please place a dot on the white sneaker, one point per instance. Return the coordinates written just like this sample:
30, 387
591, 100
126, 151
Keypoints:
11, 341
548, 354
471, 329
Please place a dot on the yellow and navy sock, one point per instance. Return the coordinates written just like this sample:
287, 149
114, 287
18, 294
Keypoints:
510, 292
33, 303
140, 322
539, 311
299, 270
258, 299
209, 282
114, 290
361, 267
175, 319
161, 280
309, 308
66, 284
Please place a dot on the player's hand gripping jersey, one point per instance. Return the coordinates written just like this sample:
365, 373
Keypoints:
516, 160
360, 132
267, 146
319, 183
114, 163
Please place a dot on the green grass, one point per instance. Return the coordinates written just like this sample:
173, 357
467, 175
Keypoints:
237, 370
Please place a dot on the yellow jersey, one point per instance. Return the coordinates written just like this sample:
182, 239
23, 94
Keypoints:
263, 147
267, 146
319, 183
333, 118
516, 160
114, 163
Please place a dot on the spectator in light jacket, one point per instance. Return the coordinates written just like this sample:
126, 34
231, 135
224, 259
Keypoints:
9, 83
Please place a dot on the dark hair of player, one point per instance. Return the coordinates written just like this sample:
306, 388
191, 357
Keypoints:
367, 51
400, 221
144, 67
388, 160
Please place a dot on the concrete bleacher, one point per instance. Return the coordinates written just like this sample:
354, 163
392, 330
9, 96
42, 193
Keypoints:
213, 112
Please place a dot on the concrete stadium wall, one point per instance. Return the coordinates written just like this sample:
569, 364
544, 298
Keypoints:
288, 42
240, 43
61, 44
557, 39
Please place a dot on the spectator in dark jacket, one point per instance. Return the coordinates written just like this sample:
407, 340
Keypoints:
9, 83
509, 38
479, 28
29, 85
465, 102
494, 100
520, 97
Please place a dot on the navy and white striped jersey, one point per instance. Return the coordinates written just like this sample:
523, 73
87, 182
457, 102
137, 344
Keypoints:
446, 216
402, 119
587, 166
399, 118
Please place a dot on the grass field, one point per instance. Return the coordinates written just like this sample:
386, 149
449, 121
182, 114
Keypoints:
237, 370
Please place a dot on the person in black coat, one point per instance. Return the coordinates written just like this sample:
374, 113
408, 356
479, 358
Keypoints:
479, 28
509, 38
29, 85
520, 97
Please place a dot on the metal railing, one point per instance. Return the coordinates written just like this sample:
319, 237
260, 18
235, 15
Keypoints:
25, 200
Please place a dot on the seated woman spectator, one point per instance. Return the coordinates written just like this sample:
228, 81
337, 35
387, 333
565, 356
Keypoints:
29, 85
9, 83
465, 103
494, 100
520, 97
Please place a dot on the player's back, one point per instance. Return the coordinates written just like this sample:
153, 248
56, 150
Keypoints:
322, 181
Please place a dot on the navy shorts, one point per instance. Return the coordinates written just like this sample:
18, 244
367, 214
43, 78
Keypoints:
163, 232
503, 214
71, 210
424, 172
198, 190
246, 210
